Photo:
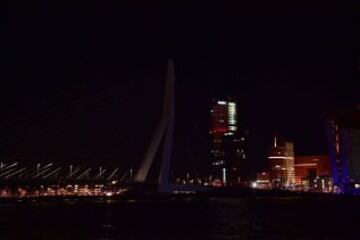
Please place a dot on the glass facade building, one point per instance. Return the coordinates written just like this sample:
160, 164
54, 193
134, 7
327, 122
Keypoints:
343, 133
227, 153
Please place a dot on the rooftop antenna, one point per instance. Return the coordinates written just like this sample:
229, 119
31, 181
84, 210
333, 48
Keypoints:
275, 140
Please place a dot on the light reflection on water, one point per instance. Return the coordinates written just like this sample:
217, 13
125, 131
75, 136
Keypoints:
183, 219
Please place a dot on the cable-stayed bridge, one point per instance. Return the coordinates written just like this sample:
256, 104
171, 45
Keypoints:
51, 172
80, 136
158, 146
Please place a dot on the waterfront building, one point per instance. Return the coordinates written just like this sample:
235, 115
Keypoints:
343, 133
281, 164
263, 180
227, 153
313, 172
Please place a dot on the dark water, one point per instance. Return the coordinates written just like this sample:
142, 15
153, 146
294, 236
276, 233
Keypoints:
281, 218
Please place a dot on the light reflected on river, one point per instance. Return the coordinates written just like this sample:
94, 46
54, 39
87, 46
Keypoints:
280, 218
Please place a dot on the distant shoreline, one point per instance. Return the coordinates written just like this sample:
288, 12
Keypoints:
256, 195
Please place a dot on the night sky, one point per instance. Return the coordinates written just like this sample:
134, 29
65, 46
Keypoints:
83, 82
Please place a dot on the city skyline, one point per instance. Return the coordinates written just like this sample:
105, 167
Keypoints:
200, 120
284, 74
260, 163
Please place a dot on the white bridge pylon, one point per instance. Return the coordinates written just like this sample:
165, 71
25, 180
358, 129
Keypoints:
164, 131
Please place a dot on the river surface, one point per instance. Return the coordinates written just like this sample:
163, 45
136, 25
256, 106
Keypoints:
268, 218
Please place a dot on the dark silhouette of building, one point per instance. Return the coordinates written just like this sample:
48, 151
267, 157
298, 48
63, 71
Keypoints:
262, 180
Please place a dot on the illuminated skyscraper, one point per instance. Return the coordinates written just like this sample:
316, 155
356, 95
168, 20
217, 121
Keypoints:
343, 131
281, 164
227, 144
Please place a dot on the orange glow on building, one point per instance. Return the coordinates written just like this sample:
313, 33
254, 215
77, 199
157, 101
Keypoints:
281, 164
311, 167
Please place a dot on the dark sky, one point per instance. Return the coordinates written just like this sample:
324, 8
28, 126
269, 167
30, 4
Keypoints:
83, 81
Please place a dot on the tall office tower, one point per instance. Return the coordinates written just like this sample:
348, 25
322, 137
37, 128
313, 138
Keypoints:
227, 142
343, 132
281, 164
